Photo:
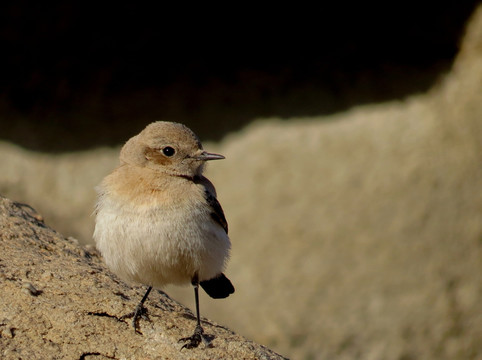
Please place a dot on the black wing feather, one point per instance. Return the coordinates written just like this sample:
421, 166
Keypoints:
217, 213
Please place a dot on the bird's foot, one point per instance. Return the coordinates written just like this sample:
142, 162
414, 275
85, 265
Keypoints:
195, 339
139, 312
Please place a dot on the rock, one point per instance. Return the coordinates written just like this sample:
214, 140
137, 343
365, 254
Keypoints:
59, 301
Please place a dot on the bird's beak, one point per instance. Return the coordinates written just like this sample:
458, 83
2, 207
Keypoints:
204, 156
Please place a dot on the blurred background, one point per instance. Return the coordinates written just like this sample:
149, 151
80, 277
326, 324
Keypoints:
356, 226
76, 77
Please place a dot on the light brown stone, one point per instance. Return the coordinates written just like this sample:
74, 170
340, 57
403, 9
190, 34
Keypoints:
60, 302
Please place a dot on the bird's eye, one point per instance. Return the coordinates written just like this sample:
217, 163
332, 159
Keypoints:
168, 151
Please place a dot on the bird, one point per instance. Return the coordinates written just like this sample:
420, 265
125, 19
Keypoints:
158, 220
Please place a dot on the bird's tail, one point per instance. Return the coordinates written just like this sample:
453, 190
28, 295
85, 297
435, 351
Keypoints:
219, 287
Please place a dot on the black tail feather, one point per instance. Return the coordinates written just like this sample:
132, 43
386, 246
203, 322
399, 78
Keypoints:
219, 287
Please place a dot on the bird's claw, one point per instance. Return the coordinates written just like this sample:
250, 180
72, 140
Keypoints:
195, 339
139, 312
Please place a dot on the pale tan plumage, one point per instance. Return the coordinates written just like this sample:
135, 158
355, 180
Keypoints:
157, 218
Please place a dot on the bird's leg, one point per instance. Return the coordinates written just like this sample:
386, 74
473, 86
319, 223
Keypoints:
139, 311
196, 338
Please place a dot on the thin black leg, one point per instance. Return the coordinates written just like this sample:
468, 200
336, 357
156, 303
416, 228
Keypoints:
196, 338
196, 298
144, 298
140, 310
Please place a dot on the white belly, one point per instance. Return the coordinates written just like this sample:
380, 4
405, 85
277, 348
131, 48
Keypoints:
156, 246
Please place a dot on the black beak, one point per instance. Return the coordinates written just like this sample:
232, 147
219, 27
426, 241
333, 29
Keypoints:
205, 156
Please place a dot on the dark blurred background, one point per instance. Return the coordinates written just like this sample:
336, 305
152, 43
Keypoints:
75, 75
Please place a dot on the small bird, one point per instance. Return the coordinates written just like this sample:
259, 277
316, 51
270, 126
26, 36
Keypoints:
158, 221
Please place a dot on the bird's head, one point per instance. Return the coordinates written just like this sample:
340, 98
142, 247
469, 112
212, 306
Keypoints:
167, 147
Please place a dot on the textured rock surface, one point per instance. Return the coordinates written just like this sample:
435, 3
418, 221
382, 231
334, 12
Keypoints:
59, 302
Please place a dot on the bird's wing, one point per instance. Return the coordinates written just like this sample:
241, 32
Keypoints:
217, 213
